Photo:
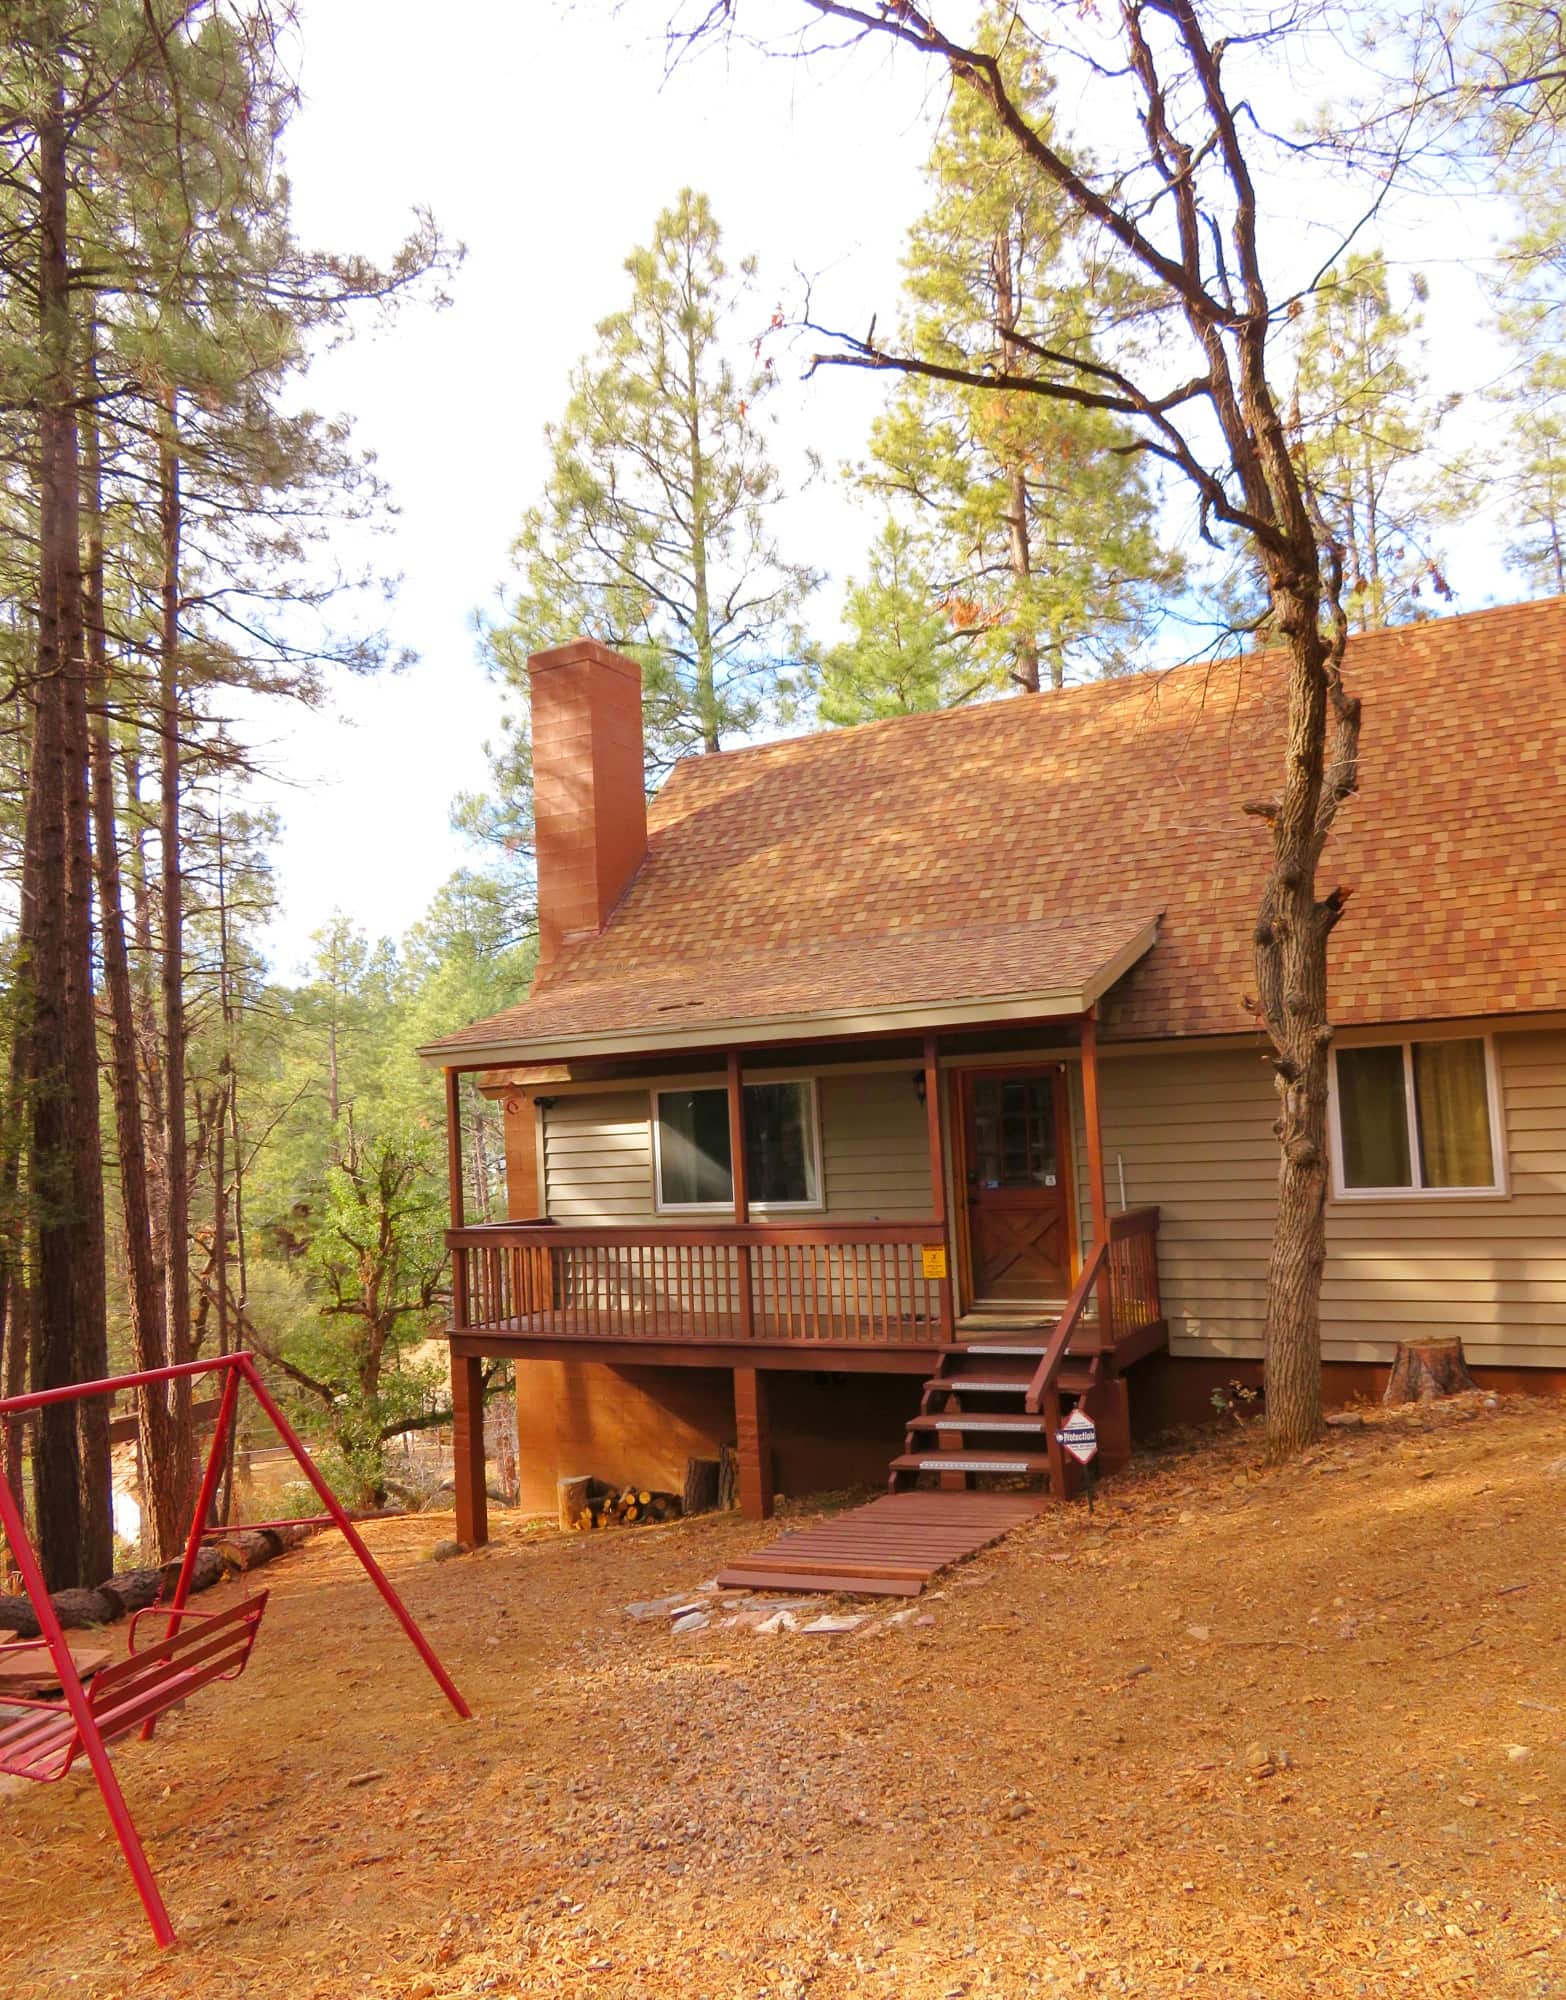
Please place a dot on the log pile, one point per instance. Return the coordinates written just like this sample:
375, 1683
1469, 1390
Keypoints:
130, 1590
586, 1504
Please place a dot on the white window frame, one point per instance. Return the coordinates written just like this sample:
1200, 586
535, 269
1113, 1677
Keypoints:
1496, 1189
810, 1207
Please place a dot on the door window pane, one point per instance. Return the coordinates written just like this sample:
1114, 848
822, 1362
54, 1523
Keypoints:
1373, 1118
1452, 1105
1014, 1132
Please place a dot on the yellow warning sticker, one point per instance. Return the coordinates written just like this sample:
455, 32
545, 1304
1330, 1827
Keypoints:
934, 1260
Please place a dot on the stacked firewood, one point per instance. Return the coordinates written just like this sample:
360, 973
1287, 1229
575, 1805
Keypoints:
586, 1504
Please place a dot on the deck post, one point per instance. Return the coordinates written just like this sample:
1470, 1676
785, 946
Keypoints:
754, 1435
747, 1299
467, 1436
459, 1262
932, 1112
1095, 1152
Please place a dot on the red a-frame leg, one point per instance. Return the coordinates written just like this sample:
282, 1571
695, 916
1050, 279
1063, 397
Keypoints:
81, 1713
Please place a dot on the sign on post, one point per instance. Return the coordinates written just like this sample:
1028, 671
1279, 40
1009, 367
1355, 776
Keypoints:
933, 1257
1079, 1435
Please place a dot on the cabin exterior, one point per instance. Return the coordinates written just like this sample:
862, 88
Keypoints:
882, 1056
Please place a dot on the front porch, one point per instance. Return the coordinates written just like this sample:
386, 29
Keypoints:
1074, 1307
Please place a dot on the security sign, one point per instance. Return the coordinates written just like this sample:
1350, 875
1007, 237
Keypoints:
933, 1258
1079, 1435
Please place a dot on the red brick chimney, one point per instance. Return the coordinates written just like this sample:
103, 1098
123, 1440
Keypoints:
589, 796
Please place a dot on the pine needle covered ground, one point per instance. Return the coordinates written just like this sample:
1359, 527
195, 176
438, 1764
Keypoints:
1240, 1732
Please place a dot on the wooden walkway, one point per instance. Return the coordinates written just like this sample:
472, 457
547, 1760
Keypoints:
890, 1548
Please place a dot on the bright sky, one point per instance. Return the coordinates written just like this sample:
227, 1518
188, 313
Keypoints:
545, 138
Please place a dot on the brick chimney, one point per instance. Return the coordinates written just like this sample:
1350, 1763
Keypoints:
589, 796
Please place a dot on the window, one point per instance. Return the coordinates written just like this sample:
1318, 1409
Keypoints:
1421, 1117
691, 1141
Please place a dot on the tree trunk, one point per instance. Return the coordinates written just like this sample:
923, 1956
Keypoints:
163, 1480
701, 1485
75, 1532
1424, 1370
1019, 554
172, 972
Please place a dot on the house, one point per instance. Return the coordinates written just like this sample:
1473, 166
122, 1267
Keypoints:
853, 1055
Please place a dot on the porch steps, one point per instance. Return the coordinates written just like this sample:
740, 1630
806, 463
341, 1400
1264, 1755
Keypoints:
973, 1422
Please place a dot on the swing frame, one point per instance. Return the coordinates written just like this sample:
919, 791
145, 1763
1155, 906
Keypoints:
238, 1371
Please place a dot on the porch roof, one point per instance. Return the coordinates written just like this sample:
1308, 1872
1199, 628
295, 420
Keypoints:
909, 979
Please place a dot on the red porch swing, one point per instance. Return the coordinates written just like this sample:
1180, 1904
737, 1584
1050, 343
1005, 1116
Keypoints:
195, 1647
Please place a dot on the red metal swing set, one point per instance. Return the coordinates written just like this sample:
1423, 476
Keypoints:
195, 1646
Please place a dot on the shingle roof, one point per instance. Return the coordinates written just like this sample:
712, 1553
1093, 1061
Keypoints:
952, 854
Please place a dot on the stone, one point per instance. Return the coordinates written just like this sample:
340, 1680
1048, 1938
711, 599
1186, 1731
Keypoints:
1517, 1753
445, 1552
1200, 1633
780, 1621
654, 1607
691, 1621
1259, 1761
833, 1628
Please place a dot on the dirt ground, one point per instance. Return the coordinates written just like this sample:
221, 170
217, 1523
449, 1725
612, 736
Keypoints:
1241, 1732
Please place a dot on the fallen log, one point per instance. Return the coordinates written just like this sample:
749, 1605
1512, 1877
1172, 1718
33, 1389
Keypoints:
1425, 1370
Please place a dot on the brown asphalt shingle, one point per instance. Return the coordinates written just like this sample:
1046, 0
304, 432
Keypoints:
768, 869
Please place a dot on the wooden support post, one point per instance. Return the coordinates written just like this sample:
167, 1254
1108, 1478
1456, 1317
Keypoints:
747, 1297
754, 1434
932, 1112
467, 1426
459, 1262
1099, 1200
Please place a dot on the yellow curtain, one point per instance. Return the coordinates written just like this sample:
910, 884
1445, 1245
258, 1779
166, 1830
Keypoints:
1452, 1103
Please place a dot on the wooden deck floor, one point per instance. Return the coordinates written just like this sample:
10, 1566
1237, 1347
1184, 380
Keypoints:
889, 1548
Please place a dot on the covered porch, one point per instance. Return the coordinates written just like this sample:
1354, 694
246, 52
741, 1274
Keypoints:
1003, 1258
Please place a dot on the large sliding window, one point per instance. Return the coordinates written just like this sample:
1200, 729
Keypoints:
1417, 1117
782, 1147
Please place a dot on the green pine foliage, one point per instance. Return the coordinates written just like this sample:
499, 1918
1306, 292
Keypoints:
654, 532
1031, 523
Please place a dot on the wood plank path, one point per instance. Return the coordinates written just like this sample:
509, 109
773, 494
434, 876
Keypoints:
889, 1548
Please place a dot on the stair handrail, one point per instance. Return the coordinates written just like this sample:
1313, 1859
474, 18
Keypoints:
1055, 1353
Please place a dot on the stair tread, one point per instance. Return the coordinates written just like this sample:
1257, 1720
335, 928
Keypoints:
998, 1421
971, 1461
988, 1384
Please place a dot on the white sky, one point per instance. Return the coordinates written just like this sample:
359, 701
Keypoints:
545, 138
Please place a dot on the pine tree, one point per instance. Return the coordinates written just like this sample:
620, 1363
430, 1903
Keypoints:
1037, 525
654, 531
904, 653
1366, 422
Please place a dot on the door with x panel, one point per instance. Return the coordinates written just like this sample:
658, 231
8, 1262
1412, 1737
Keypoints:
1017, 1153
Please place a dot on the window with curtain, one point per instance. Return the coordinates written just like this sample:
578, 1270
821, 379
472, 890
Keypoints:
694, 1162
1416, 1117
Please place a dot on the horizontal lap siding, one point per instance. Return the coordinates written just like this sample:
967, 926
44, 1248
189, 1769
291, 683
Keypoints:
598, 1158
1193, 1132
875, 1155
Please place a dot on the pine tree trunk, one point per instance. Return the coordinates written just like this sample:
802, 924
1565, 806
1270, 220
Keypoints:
176, 1153
1019, 553
70, 1329
162, 1480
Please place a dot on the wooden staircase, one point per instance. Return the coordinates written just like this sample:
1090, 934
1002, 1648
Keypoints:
992, 1410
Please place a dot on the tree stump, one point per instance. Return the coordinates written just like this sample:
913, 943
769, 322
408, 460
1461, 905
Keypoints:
728, 1477
572, 1497
701, 1485
1424, 1370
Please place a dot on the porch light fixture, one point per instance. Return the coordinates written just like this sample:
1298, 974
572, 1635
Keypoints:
920, 1088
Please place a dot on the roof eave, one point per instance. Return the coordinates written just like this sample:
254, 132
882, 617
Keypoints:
1046, 1004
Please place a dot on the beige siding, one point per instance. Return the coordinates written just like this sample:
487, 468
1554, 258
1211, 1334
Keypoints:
1194, 1134
874, 1152
598, 1158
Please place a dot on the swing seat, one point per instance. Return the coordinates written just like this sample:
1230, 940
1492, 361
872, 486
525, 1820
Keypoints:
205, 1646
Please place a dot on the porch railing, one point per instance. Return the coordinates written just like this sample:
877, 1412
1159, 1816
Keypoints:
851, 1283
1134, 1301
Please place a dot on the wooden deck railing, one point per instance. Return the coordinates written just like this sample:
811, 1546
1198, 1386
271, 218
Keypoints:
852, 1283
1134, 1301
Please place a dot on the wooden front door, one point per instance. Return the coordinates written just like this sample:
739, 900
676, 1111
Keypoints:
1017, 1157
